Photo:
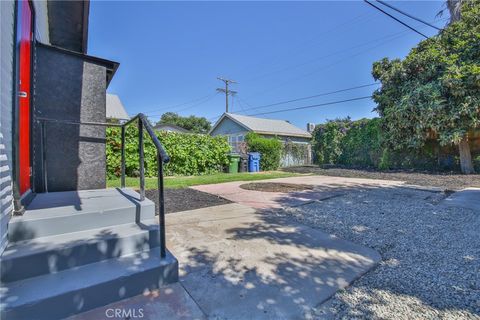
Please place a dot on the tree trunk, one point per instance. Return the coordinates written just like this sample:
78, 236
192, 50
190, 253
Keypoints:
466, 163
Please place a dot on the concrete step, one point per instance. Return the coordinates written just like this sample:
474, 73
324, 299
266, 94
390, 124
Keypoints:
52, 254
71, 211
62, 294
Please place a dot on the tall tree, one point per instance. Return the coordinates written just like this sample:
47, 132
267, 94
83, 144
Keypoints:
192, 123
454, 7
436, 88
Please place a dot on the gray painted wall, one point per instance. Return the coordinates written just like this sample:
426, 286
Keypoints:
68, 88
7, 11
227, 126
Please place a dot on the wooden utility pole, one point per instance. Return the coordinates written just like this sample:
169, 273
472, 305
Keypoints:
226, 90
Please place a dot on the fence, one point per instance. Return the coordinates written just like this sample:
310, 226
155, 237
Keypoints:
296, 154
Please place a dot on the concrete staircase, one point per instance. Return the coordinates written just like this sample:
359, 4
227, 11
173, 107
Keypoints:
75, 251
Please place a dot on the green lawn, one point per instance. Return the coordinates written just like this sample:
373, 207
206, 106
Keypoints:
183, 182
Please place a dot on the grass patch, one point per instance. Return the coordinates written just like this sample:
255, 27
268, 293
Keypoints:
177, 182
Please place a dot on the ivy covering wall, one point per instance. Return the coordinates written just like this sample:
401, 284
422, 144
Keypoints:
191, 154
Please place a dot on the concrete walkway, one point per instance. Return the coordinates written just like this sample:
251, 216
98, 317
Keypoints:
467, 198
326, 187
238, 263
170, 302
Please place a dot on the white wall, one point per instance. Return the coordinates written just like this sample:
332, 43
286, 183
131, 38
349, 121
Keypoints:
7, 9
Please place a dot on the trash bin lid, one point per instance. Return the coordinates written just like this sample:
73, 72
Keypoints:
254, 155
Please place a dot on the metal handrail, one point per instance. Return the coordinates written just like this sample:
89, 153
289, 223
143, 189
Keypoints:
162, 157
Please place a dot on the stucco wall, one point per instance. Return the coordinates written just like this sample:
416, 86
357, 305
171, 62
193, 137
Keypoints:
69, 88
41, 21
7, 9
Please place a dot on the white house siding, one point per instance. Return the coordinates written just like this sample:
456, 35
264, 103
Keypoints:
7, 11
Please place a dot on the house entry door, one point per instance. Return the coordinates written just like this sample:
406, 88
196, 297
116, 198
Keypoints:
24, 41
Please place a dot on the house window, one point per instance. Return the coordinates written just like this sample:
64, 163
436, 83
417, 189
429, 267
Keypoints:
235, 142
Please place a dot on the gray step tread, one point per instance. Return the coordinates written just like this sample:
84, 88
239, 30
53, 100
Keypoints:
68, 203
33, 290
68, 240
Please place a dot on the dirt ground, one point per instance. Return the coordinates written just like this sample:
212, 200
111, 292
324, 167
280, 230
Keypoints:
275, 187
185, 199
448, 181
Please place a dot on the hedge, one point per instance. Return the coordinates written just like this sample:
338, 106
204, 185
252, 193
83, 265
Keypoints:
362, 143
269, 148
190, 154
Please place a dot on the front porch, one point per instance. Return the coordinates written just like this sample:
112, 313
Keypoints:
77, 250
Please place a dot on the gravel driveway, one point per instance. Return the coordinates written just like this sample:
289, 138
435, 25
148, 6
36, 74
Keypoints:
450, 181
431, 254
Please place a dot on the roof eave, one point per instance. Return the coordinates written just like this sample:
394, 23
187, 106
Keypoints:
231, 118
111, 66
283, 134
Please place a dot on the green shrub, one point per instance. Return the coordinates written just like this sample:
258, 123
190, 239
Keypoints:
269, 148
362, 143
327, 140
476, 164
384, 163
190, 154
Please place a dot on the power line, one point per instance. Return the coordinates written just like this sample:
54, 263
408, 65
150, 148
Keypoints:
300, 47
312, 106
226, 90
408, 15
313, 96
396, 19
302, 98
386, 39
391, 37
209, 97
177, 105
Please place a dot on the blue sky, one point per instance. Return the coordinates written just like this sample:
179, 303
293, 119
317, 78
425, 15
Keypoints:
171, 53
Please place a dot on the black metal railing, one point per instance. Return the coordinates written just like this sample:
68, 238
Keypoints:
162, 157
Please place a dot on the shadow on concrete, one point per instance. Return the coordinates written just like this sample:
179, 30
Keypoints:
222, 276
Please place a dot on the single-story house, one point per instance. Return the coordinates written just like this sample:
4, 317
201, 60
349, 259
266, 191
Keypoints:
170, 128
115, 110
236, 126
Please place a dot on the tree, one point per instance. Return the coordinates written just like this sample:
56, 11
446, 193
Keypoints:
192, 123
435, 90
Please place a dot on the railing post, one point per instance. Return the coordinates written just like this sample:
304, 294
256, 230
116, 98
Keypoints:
161, 205
141, 156
123, 158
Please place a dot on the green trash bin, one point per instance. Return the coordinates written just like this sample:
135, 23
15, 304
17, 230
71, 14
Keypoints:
233, 164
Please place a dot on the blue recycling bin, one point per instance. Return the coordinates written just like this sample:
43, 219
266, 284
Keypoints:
254, 162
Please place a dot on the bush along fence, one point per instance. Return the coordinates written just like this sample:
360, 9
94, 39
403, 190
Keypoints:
269, 148
191, 154
362, 144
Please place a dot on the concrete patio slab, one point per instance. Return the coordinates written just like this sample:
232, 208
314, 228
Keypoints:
326, 187
238, 263
467, 198
170, 302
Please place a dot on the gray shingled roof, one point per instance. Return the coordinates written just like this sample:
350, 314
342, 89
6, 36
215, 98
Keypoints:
267, 126
115, 108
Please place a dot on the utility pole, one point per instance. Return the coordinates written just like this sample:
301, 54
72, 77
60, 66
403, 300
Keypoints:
226, 90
